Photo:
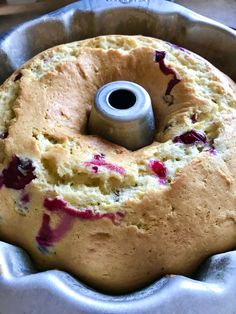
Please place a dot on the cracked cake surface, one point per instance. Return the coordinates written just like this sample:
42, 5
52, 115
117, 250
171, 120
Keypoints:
118, 219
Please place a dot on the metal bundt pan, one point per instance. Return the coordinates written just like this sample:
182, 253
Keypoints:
22, 289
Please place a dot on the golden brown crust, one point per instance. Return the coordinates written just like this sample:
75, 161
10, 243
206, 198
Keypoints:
167, 228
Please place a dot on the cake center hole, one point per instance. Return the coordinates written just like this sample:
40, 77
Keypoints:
122, 99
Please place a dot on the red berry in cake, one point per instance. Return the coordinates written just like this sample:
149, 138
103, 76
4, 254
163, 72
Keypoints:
191, 137
212, 150
56, 205
99, 161
171, 85
95, 169
159, 56
25, 198
166, 70
47, 236
159, 169
18, 174
100, 156
22, 202
44, 237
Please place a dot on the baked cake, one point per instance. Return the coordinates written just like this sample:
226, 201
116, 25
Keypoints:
118, 219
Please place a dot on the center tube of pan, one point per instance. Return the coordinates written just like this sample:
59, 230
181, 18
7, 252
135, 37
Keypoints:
122, 113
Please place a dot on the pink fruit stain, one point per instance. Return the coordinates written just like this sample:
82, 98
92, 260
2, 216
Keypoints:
99, 161
47, 236
159, 58
25, 198
18, 174
178, 47
159, 169
191, 137
95, 169
212, 150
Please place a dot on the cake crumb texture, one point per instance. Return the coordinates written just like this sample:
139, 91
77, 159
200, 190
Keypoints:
118, 219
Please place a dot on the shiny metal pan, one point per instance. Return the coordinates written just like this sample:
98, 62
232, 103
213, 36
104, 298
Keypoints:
24, 290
